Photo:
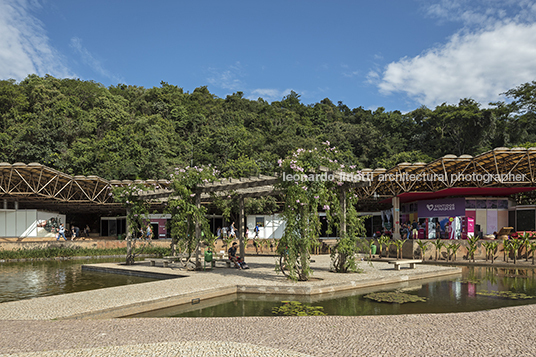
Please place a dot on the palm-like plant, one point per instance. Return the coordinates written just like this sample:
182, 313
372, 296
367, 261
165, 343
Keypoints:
448, 247
486, 246
423, 245
383, 241
525, 239
399, 243
490, 247
532, 246
453, 247
506, 249
438, 244
516, 244
472, 247
370, 244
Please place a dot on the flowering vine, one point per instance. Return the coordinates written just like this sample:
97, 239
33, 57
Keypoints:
185, 208
137, 209
308, 185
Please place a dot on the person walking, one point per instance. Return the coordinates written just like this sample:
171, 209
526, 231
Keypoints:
232, 229
61, 232
75, 232
149, 233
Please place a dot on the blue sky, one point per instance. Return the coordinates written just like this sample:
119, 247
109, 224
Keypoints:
396, 54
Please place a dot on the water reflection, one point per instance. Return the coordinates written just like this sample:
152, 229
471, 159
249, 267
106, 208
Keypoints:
456, 294
34, 279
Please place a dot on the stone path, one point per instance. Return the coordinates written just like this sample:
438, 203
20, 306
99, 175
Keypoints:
37, 327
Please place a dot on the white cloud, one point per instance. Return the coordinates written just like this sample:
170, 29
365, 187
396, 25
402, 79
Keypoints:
227, 79
269, 94
90, 60
479, 65
481, 12
24, 45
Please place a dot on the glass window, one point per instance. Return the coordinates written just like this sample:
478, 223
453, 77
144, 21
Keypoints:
526, 220
470, 203
491, 204
481, 204
502, 204
259, 221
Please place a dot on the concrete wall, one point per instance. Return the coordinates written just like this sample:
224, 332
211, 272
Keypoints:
26, 223
273, 226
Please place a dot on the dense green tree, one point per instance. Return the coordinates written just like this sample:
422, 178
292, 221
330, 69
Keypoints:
132, 132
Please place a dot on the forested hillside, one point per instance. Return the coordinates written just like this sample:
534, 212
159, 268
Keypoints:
128, 132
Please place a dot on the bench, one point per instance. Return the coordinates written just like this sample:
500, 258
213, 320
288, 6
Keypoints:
221, 258
398, 263
165, 262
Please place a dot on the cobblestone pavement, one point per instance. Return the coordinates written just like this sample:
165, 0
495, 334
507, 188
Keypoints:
36, 327
502, 332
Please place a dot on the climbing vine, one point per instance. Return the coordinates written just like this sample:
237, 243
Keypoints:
185, 208
308, 185
137, 210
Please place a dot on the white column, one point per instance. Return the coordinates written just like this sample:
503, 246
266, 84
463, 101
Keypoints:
396, 217
241, 231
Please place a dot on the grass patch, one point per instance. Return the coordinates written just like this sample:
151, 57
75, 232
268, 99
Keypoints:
62, 252
509, 295
394, 297
295, 308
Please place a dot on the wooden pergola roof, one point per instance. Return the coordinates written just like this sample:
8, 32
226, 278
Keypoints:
503, 167
37, 186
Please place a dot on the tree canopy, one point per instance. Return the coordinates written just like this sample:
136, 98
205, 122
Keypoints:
130, 132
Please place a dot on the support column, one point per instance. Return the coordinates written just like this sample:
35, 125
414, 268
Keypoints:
128, 224
396, 217
241, 231
5, 203
197, 232
342, 233
16, 205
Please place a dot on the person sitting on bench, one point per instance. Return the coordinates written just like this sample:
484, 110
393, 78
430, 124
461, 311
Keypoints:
232, 255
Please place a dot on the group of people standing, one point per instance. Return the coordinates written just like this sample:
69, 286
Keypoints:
231, 232
75, 232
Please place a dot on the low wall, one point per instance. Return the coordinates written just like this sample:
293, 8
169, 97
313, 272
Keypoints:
411, 249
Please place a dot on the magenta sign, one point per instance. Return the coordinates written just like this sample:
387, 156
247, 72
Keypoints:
448, 207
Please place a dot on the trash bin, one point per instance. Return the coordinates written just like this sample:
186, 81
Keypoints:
119, 237
208, 259
373, 249
208, 256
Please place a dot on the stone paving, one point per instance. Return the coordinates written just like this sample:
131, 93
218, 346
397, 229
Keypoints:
49, 326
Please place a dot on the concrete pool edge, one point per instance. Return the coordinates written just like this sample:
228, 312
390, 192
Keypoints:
182, 299
128, 300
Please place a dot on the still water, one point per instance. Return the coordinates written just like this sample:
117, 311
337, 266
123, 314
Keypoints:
44, 278
454, 294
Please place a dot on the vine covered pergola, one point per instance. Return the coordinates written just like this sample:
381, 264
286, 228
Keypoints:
513, 170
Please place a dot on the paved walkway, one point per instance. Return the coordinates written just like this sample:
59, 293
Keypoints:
37, 327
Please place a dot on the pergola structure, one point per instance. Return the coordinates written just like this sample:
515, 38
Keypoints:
255, 186
38, 186
499, 172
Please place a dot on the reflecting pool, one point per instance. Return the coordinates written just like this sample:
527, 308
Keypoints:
44, 278
455, 294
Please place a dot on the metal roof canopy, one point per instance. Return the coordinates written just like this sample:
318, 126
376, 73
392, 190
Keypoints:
502, 163
34, 185
38, 186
